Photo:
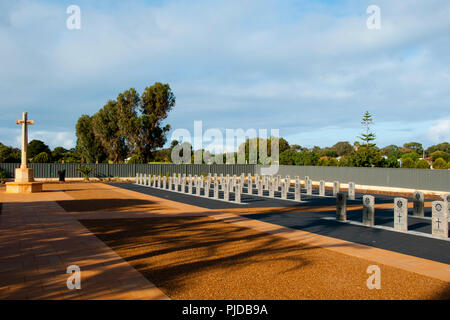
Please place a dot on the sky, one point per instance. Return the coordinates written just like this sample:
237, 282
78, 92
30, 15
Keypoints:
308, 68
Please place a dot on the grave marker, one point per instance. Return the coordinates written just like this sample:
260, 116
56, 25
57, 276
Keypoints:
351, 191
322, 188
335, 188
401, 214
216, 189
341, 206
439, 216
309, 187
226, 192
298, 190
271, 189
368, 215
237, 195
418, 208
284, 190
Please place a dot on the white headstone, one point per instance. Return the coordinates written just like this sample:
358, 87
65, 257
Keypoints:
216, 189
335, 188
271, 188
226, 193
341, 206
298, 190
283, 190
259, 185
351, 191
249, 184
368, 215
322, 188
419, 205
237, 195
309, 187
439, 216
401, 214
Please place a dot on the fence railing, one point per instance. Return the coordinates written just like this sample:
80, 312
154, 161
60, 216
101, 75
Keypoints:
104, 170
425, 179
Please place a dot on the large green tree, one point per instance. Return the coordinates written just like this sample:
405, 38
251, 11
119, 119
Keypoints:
155, 103
132, 125
88, 145
367, 136
105, 124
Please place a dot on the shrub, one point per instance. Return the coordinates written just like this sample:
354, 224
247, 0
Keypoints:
42, 157
2, 176
333, 162
322, 162
85, 171
411, 155
422, 164
408, 163
392, 162
135, 160
439, 163
440, 154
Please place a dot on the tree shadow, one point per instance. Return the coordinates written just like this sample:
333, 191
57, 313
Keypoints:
108, 204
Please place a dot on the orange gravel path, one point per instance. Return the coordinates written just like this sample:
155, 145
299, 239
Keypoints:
202, 258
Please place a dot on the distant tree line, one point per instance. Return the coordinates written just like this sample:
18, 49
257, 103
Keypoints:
130, 128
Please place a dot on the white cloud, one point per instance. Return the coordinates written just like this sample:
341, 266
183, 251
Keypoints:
270, 64
439, 131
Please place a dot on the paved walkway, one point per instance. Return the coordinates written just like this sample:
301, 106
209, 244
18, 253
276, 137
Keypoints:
38, 241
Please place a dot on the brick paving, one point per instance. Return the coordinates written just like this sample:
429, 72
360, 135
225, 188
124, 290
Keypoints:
38, 241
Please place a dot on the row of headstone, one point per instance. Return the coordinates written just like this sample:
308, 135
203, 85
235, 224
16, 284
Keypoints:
226, 184
439, 212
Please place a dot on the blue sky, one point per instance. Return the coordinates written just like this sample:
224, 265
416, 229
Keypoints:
307, 68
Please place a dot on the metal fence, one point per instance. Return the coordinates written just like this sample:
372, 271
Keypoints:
104, 170
438, 180
424, 179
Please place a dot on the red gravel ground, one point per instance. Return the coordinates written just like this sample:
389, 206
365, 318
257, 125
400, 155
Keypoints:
202, 258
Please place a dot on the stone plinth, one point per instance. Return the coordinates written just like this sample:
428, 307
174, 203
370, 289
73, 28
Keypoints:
24, 182
23, 187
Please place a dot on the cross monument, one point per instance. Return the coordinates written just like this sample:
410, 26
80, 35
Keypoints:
24, 176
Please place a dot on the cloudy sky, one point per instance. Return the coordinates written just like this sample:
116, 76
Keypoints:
307, 68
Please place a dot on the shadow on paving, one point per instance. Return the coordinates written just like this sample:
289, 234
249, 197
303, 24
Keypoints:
423, 247
183, 247
84, 205
202, 258
249, 201
40, 254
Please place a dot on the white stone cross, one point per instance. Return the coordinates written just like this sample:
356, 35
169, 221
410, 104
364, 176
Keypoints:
24, 122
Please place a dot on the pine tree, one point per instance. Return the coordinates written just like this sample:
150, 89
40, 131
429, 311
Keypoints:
367, 136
